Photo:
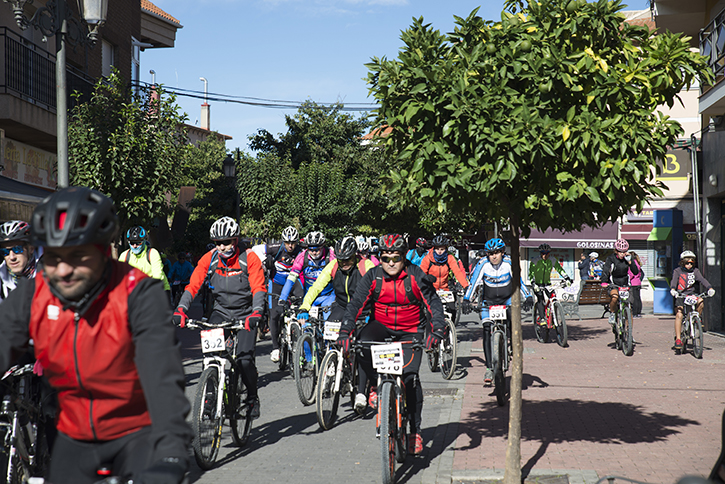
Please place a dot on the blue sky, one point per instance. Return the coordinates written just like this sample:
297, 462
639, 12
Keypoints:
286, 50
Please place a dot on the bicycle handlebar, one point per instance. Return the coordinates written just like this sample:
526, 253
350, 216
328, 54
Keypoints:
199, 324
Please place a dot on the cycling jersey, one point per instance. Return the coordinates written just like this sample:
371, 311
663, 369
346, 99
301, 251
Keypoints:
181, 272
8, 280
441, 271
617, 270
496, 281
684, 281
343, 284
595, 268
280, 262
308, 270
148, 261
415, 256
540, 272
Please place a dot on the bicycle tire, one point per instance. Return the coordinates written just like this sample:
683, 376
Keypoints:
388, 424
542, 332
616, 329
327, 398
627, 338
447, 351
206, 425
401, 440
283, 354
499, 381
562, 333
241, 427
304, 369
433, 363
697, 336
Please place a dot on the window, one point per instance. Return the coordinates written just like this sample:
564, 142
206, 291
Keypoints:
108, 57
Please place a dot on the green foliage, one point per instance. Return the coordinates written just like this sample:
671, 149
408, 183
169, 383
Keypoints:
546, 117
127, 145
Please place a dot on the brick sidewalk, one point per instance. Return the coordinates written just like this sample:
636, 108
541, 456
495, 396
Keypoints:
653, 417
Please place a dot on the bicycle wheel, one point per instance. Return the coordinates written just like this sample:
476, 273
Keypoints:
617, 330
388, 424
401, 439
206, 422
294, 334
327, 397
304, 368
696, 334
283, 354
447, 351
433, 364
542, 332
240, 420
627, 340
559, 324
499, 381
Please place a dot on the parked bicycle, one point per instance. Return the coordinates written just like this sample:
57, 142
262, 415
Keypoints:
392, 416
308, 353
623, 327
553, 315
220, 393
692, 324
25, 452
443, 358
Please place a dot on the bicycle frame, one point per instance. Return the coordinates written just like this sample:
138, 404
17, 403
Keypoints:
501, 326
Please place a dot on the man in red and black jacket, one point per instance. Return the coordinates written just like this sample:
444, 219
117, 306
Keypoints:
98, 333
399, 296
236, 282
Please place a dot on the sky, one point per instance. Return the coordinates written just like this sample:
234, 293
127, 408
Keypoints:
292, 50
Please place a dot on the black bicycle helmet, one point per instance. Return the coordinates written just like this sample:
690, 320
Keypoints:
346, 248
136, 234
14, 230
74, 216
393, 243
544, 248
441, 241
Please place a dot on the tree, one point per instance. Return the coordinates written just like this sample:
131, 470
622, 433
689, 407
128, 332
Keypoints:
545, 119
128, 145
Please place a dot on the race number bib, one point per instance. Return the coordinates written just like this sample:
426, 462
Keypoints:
388, 358
332, 330
497, 313
212, 340
315, 312
446, 296
624, 293
691, 300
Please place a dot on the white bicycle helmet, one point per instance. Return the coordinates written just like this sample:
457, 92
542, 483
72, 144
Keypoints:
14, 230
688, 254
224, 228
290, 234
362, 244
315, 239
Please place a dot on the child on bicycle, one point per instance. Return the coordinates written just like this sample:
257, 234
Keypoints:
616, 273
684, 279
540, 276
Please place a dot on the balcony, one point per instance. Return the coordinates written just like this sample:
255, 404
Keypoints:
27, 71
712, 46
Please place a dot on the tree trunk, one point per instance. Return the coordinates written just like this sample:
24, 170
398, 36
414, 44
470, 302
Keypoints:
513, 450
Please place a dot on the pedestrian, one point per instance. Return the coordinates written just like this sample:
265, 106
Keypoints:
583, 267
635, 285
595, 266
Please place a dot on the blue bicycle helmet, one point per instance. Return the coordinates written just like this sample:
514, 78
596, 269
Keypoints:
494, 244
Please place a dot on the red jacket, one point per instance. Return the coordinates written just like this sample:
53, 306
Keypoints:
440, 271
89, 359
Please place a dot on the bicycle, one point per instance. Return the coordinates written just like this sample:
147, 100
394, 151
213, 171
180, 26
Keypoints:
692, 324
500, 348
289, 333
220, 394
25, 452
392, 416
553, 314
308, 354
444, 357
622, 329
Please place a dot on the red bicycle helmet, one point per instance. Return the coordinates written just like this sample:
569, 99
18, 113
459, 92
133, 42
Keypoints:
393, 243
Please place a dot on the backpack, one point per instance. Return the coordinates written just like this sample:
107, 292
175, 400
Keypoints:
214, 263
360, 266
148, 255
407, 283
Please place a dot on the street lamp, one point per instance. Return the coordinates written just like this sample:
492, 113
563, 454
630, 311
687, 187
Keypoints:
230, 173
56, 19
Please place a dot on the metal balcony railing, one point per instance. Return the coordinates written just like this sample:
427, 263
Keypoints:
28, 71
712, 44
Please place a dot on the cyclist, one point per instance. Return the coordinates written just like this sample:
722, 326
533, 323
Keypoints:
595, 266
308, 265
540, 276
399, 297
236, 281
363, 250
439, 263
421, 249
95, 325
142, 256
20, 259
180, 273
615, 272
279, 261
684, 279
344, 273
494, 276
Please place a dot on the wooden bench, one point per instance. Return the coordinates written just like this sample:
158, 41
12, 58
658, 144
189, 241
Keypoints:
594, 293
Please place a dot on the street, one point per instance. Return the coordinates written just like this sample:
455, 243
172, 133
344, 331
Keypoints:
589, 411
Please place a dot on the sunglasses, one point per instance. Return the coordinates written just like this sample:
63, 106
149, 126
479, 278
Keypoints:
687, 262
224, 242
494, 252
544, 252
18, 249
391, 259
314, 249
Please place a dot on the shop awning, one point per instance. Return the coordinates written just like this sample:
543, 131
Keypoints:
636, 231
588, 238
660, 233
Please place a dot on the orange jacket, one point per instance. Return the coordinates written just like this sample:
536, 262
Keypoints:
440, 271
